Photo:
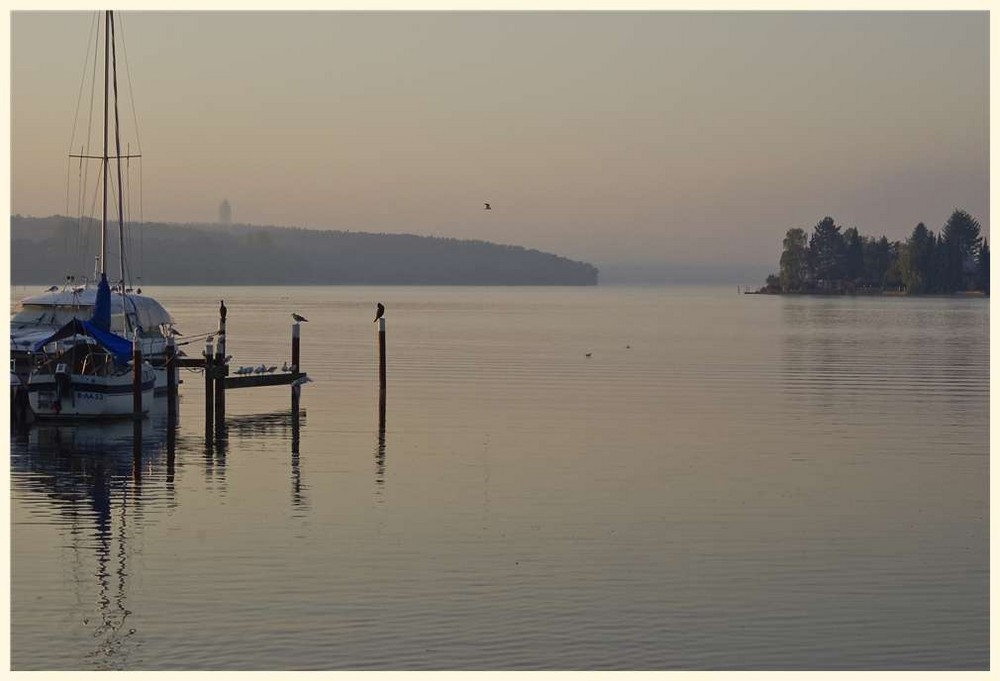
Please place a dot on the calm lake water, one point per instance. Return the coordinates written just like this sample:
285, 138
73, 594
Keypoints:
727, 482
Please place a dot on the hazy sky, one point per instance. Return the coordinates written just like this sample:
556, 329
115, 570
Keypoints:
656, 136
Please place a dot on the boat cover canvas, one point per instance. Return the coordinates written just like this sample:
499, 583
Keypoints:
120, 348
101, 318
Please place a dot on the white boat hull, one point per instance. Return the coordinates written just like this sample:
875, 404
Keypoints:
80, 397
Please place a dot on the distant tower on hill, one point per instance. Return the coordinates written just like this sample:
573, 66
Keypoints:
225, 213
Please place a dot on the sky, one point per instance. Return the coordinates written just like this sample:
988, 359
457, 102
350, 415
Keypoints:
689, 139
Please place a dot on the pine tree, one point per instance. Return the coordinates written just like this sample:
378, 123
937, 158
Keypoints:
961, 241
826, 248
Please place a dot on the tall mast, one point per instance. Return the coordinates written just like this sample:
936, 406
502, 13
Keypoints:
118, 157
104, 162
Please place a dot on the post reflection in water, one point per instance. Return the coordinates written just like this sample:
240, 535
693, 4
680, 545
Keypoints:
252, 426
380, 448
297, 498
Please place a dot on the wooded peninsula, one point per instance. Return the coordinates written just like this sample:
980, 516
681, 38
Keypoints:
956, 260
47, 250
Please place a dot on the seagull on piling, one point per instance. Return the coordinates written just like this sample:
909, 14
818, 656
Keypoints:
270, 370
284, 366
299, 318
379, 311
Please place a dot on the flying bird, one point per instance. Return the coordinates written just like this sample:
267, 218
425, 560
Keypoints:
299, 318
487, 206
379, 311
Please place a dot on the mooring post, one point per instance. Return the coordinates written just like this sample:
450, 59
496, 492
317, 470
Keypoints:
381, 368
209, 388
136, 378
381, 358
170, 364
221, 369
295, 347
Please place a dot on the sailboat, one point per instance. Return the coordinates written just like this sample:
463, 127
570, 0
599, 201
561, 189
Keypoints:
131, 314
82, 369
91, 376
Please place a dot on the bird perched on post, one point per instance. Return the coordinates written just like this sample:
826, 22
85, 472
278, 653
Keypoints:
379, 311
299, 318
222, 310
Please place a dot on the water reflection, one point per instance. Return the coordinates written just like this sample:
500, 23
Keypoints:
92, 474
285, 424
380, 450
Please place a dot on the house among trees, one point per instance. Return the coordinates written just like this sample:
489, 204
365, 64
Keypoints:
832, 260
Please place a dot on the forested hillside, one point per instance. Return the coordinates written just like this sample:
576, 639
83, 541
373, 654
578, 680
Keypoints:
46, 250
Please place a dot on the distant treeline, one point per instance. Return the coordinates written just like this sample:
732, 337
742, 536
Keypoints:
833, 261
46, 250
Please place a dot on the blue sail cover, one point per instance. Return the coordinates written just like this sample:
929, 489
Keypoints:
101, 318
120, 348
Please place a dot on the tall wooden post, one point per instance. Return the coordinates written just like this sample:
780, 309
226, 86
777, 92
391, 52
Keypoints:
295, 348
136, 378
171, 366
381, 363
221, 369
209, 388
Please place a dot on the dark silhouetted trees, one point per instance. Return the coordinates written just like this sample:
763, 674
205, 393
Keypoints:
836, 261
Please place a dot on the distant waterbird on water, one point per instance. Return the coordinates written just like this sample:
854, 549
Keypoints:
486, 206
379, 311
299, 318
589, 354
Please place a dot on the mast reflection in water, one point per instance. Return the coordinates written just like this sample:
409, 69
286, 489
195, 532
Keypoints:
91, 476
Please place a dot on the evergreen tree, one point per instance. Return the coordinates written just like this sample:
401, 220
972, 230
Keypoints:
877, 257
826, 250
961, 241
916, 260
854, 257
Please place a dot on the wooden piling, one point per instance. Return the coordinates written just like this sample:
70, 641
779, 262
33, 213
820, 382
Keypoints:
381, 362
295, 347
136, 379
221, 369
171, 366
209, 387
